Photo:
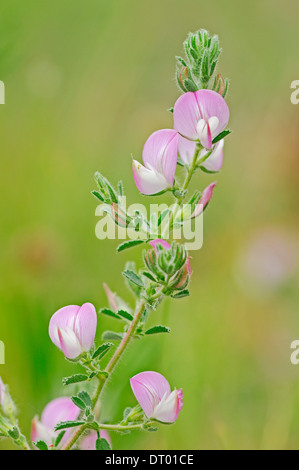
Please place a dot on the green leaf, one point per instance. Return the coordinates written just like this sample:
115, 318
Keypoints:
102, 444
73, 379
102, 350
124, 314
221, 136
68, 424
149, 276
84, 396
41, 445
157, 329
112, 336
162, 216
109, 312
79, 403
133, 277
129, 244
179, 295
97, 195
59, 438
14, 433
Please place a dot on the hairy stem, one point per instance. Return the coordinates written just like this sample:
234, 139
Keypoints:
184, 188
120, 427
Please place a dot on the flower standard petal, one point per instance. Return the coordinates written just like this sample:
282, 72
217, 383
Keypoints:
186, 115
201, 115
60, 409
72, 329
57, 410
64, 318
149, 388
85, 325
160, 153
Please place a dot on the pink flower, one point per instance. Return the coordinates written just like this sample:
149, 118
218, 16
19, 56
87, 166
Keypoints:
200, 115
2, 393
89, 441
60, 409
166, 245
205, 199
213, 163
160, 159
7, 405
154, 395
72, 329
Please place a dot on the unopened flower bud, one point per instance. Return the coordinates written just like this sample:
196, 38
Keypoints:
184, 73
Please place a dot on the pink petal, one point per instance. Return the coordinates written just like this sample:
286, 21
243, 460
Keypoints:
186, 149
186, 115
86, 325
60, 409
72, 329
40, 432
205, 199
89, 442
149, 388
160, 241
215, 161
64, 318
160, 152
2, 392
191, 107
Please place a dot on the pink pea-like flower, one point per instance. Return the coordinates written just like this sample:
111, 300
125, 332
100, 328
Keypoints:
212, 164
72, 329
155, 397
205, 199
89, 441
200, 115
160, 158
60, 409
2, 393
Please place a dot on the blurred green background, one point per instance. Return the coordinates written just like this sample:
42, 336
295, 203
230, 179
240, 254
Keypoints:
86, 83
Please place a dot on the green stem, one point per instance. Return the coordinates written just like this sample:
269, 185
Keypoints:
120, 427
71, 442
184, 188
